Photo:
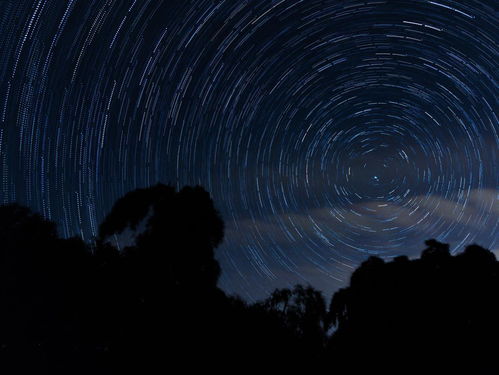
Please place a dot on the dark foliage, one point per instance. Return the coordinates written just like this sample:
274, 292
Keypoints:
43, 287
154, 305
436, 314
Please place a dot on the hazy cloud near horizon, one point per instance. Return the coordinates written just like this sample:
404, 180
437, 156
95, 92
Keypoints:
323, 240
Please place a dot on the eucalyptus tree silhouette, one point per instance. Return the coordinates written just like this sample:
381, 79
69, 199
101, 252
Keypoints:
165, 301
302, 314
177, 231
303, 311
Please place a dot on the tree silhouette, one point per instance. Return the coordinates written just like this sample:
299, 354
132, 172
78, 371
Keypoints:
179, 233
303, 312
42, 283
144, 298
419, 316
164, 298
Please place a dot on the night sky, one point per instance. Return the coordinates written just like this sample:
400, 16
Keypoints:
326, 131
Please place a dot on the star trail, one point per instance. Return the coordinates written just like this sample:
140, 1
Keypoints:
326, 131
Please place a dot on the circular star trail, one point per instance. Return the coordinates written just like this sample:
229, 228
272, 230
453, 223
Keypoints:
326, 131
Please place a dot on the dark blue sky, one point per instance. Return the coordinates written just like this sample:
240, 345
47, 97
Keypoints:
325, 131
